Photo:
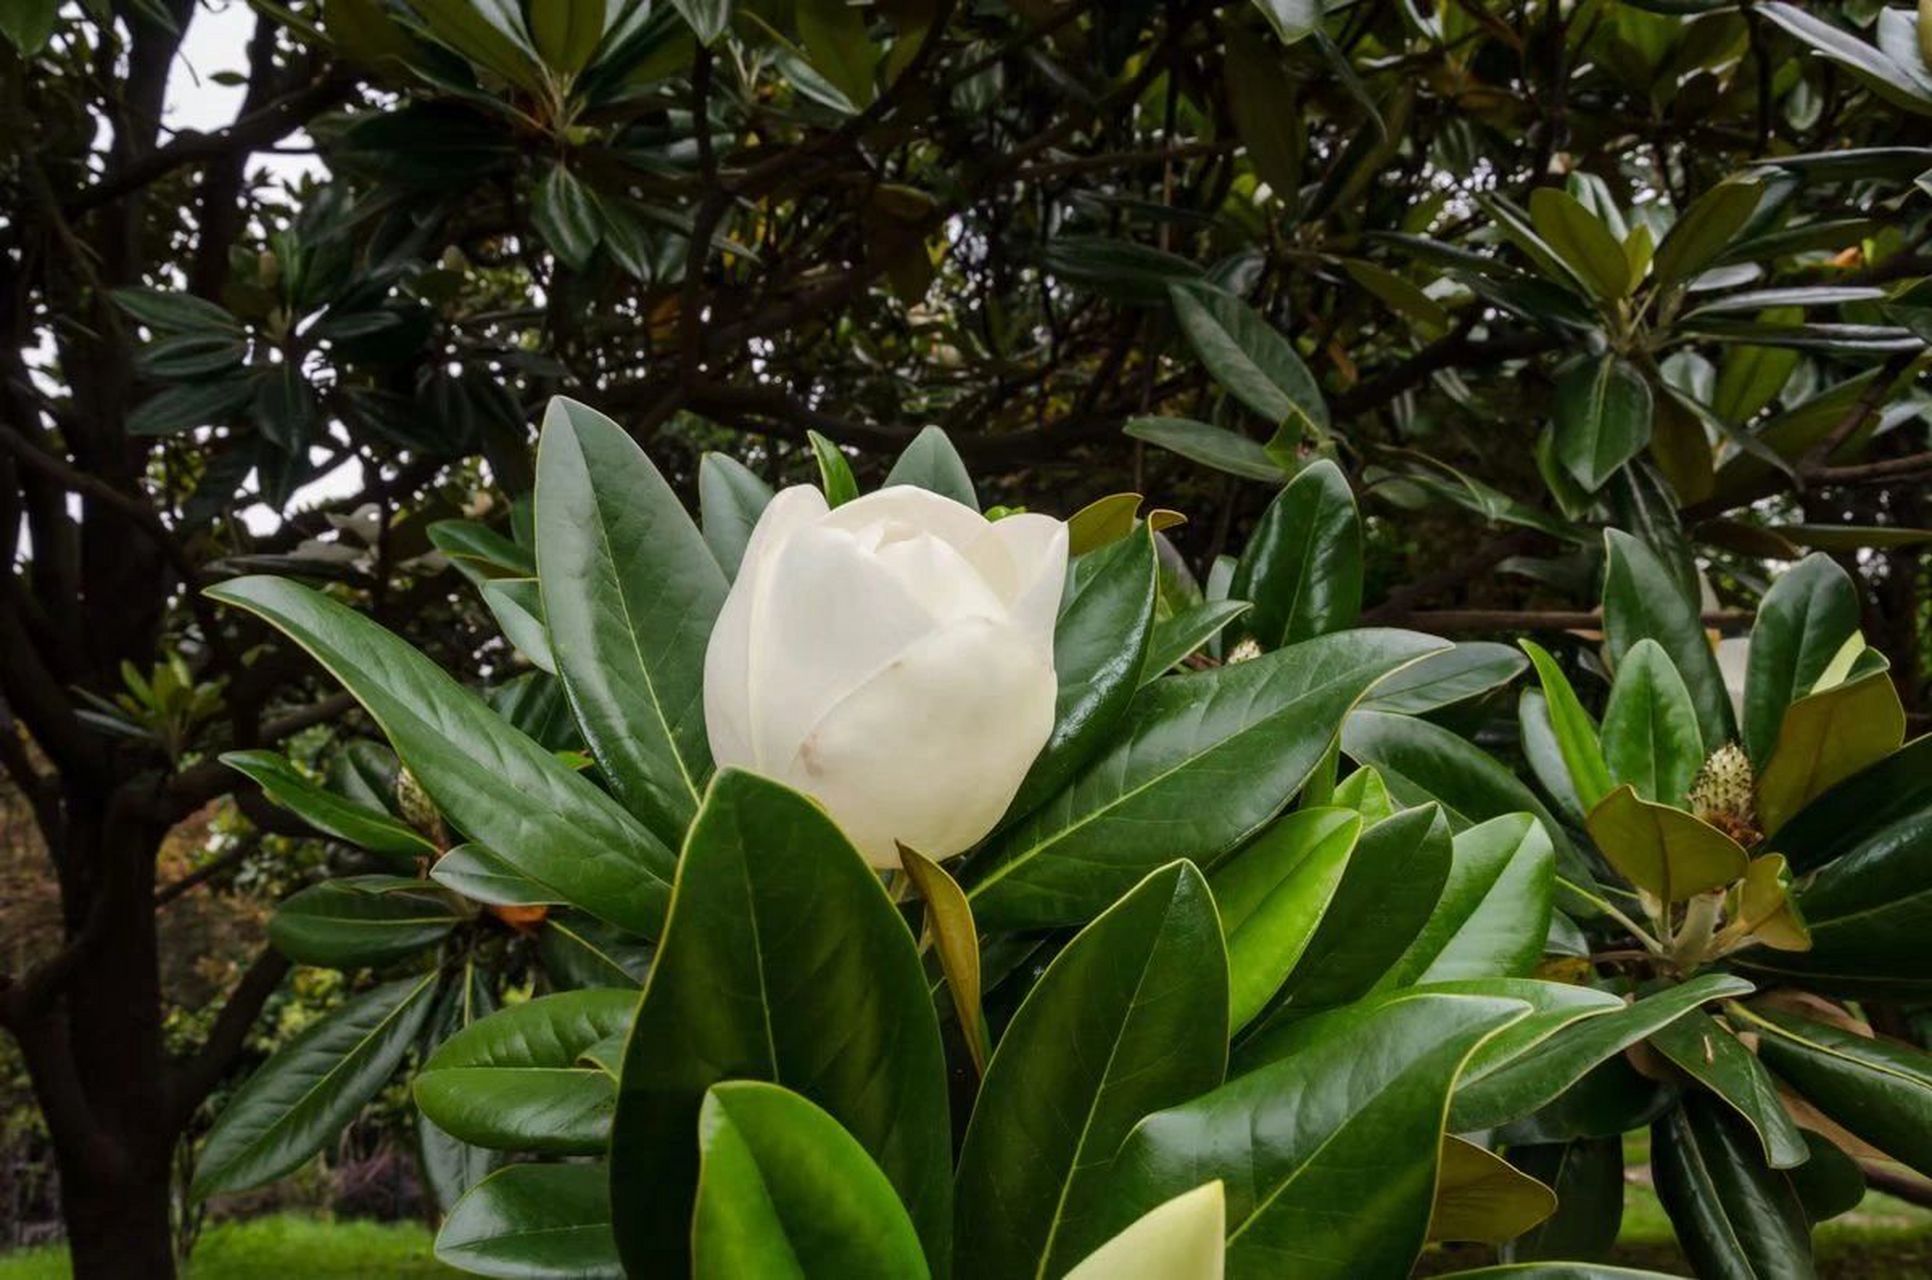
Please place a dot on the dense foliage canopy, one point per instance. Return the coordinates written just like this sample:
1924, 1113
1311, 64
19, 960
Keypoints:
1476, 281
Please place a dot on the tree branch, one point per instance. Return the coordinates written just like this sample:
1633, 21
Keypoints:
193, 1079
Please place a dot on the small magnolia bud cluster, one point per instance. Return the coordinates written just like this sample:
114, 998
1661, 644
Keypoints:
418, 810
1725, 794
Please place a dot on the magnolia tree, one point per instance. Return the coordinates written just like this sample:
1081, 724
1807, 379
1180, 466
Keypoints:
982, 895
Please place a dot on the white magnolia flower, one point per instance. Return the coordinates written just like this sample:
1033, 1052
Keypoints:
892, 658
1733, 660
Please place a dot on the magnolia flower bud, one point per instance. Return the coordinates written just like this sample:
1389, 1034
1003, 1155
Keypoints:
892, 658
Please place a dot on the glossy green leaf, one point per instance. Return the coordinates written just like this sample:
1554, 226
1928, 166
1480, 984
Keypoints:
1582, 241
1881, 1090
517, 605
1249, 357
1198, 763
1181, 636
513, 1080
1705, 230
482, 876
1587, 1176
1351, 1117
1711, 1055
1736, 1217
1641, 598
1829, 1182
1543, 753
480, 552
1302, 567
534, 1222
559, 830
1803, 620
630, 591
1494, 909
327, 810
931, 462
1577, 736
834, 471
1179, 1239
1668, 853
1366, 793
189, 405
1209, 445
1513, 1087
1650, 736
1470, 670
955, 940
1389, 890
450, 1167
1099, 646
1897, 83
172, 311
567, 32
362, 921
784, 1191
783, 960
708, 18
581, 951
731, 497
564, 212
1560, 1271
1603, 419
298, 1101
1272, 896
1827, 737
1131, 1017
1481, 1196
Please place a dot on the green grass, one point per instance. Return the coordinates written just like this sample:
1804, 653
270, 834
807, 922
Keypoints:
282, 1245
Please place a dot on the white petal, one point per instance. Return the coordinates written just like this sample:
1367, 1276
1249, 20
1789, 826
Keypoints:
943, 580
1181, 1239
931, 749
1024, 559
829, 617
916, 510
1733, 661
727, 656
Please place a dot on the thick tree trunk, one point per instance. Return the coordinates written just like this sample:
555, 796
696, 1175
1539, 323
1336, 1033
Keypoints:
95, 1050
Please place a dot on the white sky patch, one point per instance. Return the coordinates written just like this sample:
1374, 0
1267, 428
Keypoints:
217, 41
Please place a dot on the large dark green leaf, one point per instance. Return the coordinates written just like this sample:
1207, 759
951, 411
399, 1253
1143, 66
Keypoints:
1804, 619
1712, 1056
1581, 240
1494, 910
1198, 763
1517, 1086
451, 1166
1329, 1153
1273, 895
1602, 419
492, 781
300, 1099
784, 1191
1587, 1176
1209, 445
362, 920
1249, 357
1705, 230
1650, 736
1880, 805
931, 462
534, 1222
783, 960
340, 816
1736, 1217
1577, 737
1302, 569
1130, 1018
630, 591
482, 876
1470, 670
514, 1081
1641, 598
1182, 635
1881, 1090
731, 497
581, 951
1099, 645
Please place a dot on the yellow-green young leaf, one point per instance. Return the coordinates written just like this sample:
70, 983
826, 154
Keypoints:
1638, 247
1272, 896
1182, 1239
1484, 1198
1582, 241
1760, 907
1402, 296
1705, 230
1102, 521
1576, 732
949, 924
834, 472
1663, 851
1826, 738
